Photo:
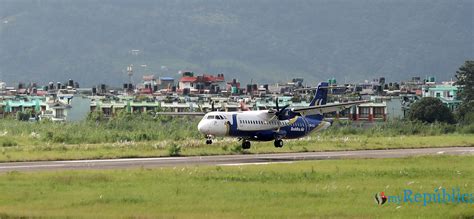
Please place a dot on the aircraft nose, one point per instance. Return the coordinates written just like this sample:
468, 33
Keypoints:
202, 127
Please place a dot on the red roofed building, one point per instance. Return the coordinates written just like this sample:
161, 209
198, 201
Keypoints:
202, 84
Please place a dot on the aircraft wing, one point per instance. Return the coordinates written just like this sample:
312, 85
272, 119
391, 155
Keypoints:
331, 107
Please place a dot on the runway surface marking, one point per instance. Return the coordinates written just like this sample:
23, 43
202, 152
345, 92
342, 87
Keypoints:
229, 160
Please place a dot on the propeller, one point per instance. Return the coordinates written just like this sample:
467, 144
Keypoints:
212, 106
282, 114
279, 113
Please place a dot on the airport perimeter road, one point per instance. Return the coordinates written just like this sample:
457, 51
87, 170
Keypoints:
228, 160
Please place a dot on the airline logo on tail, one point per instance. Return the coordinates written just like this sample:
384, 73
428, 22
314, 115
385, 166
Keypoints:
321, 95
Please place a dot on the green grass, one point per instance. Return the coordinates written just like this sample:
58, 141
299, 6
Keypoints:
197, 147
142, 135
330, 188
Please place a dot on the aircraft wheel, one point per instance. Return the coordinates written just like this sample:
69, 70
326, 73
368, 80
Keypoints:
208, 141
245, 144
278, 143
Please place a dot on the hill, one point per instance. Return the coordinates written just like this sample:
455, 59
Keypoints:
265, 40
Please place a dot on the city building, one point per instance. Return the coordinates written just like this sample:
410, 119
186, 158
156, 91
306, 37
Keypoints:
447, 92
205, 83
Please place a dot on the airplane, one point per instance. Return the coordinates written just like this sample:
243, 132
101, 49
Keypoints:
273, 124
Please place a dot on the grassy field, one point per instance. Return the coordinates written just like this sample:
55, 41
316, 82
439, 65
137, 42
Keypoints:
330, 188
145, 136
196, 147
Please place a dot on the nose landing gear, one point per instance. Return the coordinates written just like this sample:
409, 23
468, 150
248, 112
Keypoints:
208, 139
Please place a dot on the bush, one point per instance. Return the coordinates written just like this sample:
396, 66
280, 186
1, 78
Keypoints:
7, 142
430, 109
174, 150
467, 129
465, 113
237, 149
23, 116
390, 128
96, 116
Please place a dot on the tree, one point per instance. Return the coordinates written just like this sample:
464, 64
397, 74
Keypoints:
465, 77
23, 116
96, 116
430, 109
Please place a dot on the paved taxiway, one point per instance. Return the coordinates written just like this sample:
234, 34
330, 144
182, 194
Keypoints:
227, 160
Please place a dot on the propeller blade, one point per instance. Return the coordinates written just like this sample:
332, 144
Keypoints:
212, 107
280, 113
276, 102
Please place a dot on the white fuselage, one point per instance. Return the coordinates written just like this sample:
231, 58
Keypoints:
218, 123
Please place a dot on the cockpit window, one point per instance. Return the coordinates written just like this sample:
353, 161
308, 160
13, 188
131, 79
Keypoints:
216, 117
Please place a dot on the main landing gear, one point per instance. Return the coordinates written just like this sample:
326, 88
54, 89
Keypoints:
245, 144
278, 143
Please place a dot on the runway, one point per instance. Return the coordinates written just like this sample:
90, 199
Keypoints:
227, 160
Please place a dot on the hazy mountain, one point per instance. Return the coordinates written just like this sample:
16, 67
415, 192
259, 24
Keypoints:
264, 40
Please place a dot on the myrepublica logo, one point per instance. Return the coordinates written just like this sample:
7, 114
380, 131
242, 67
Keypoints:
438, 196
380, 198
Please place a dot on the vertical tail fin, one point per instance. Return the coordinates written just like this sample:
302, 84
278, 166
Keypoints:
321, 96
